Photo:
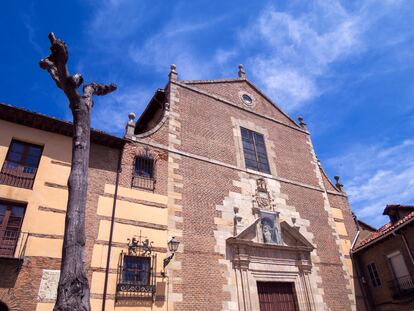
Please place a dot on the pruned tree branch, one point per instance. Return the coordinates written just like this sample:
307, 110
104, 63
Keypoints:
98, 89
56, 65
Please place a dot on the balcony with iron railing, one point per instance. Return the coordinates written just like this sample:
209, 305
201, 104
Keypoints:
17, 175
13, 243
402, 287
143, 182
12, 250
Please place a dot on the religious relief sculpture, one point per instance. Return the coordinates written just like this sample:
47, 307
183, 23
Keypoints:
262, 197
270, 227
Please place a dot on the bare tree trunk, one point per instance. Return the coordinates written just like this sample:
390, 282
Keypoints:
73, 289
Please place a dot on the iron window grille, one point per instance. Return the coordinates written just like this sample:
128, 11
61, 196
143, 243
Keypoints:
254, 149
373, 274
143, 176
20, 167
136, 278
402, 286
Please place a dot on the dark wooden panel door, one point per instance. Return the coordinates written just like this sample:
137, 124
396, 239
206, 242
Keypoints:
277, 296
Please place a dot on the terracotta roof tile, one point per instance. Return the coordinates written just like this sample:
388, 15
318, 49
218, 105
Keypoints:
387, 228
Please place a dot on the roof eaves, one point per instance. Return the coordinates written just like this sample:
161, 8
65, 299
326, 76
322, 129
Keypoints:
387, 231
13, 114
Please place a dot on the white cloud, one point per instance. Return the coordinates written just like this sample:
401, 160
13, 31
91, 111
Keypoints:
172, 44
378, 175
298, 50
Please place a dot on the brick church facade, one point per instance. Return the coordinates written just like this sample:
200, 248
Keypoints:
219, 167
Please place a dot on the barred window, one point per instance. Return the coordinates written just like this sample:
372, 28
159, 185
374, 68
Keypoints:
136, 270
144, 167
136, 278
373, 274
254, 149
144, 173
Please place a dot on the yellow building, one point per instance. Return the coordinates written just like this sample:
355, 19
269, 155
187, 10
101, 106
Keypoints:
35, 158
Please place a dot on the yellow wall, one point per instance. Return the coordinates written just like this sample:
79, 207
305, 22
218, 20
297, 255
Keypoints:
47, 227
147, 215
55, 148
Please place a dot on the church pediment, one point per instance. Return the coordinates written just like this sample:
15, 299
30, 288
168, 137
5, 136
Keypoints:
254, 235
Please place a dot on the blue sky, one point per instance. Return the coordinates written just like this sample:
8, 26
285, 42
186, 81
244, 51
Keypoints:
347, 67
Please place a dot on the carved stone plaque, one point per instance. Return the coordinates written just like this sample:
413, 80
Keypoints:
262, 197
48, 285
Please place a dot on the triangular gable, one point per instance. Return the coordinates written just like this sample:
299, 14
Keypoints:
290, 236
232, 90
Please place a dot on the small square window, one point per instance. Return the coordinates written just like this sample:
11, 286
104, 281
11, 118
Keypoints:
144, 167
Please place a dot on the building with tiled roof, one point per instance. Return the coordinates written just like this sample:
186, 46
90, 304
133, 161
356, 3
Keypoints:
384, 260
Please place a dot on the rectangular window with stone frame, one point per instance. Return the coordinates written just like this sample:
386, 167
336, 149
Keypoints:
254, 149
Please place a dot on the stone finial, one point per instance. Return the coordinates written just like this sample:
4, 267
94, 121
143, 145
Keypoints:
173, 73
355, 218
294, 223
131, 117
242, 73
302, 123
338, 184
130, 127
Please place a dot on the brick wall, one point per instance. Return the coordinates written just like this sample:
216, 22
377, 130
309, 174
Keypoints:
207, 130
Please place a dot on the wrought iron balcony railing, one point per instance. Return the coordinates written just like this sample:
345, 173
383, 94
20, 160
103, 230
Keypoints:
143, 182
17, 175
402, 286
13, 243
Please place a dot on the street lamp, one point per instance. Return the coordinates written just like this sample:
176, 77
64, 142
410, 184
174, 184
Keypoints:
172, 247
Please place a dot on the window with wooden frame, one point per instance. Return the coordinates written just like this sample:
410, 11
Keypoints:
143, 176
254, 149
373, 274
20, 167
11, 219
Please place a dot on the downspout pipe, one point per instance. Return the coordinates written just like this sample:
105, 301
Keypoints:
355, 260
108, 258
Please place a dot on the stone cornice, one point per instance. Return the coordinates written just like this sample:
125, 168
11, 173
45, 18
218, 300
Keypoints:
220, 163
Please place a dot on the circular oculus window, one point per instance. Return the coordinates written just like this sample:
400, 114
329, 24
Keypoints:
247, 99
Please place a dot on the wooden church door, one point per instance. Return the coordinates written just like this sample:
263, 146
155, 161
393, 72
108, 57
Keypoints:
277, 296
